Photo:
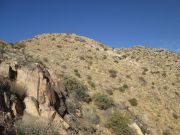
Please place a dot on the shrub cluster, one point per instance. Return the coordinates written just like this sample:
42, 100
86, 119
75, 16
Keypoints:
77, 89
103, 101
133, 101
118, 122
76, 72
113, 73
123, 88
19, 45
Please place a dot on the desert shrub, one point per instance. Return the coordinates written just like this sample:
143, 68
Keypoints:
80, 39
105, 49
45, 59
92, 84
104, 57
128, 76
77, 73
89, 77
82, 58
53, 39
133, 101
144, 70
164, 74
2, 45
175, 116
77, 89
142, 81
118, 122
59, 46
89, 57
90, 115
113, 73
97, 49
90, 63
103, 101
34, 126
177, 94
115, 61
155, 72
123, 88
19, 45
72, 105
110, 92
166, 132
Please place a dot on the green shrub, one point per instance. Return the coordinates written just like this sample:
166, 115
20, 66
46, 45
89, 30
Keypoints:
45, 59
104, 57
19, 45
92, 84
89, 77
123, 88
113, 73
118, 122
53, 39
133, 101
76, 72
142, 81
110, 92
78, 90
103, 101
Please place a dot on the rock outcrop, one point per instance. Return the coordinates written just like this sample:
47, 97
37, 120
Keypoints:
32, 91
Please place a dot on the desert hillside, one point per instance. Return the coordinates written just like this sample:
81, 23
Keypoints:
141, 84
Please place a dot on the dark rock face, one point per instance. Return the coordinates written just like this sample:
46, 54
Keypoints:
2, 103
59, 105
12, 74
56, 97
2, 129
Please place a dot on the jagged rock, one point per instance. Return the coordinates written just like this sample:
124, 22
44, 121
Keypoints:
38, 83
31, 106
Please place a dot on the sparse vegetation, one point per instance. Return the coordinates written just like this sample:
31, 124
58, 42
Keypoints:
104, 57
142, 81
89, 77
77, 73
90, 115
77, 89
19, 45
144, 70
175, 116
103, 101
113, 73
118, 122
133, 101
53, 39
45, 59
109, 91
123, 88
92, 84
82, 58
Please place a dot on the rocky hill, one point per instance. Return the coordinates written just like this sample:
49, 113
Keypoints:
108, 91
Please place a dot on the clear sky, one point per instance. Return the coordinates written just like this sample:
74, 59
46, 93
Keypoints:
117, 23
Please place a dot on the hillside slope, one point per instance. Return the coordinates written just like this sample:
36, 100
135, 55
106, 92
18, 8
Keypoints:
143, 81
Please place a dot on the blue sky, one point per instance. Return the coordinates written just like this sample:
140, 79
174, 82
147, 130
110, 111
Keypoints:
117, 23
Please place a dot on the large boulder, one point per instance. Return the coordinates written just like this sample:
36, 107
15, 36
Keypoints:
31, 106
